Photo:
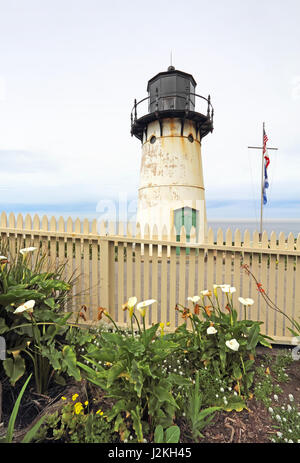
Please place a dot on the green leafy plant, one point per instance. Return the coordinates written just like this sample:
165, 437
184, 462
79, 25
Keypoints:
265, 386
225, 344
127, 367
286, 420
8, 439
76, 423
197, 417
269, 374
278, 368
35, 335
169, 436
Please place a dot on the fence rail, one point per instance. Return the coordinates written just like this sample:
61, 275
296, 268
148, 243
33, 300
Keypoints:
113, 265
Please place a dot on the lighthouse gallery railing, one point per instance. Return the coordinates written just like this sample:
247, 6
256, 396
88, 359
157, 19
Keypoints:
187, 98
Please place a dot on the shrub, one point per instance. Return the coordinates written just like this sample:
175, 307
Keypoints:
75, 423
33, 321
224, 344
128, 368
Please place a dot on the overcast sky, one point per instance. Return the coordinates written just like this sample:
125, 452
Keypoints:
69, 73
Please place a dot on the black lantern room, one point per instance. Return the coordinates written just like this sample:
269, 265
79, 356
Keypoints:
172, 94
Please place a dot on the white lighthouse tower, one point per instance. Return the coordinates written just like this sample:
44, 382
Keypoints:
171, 191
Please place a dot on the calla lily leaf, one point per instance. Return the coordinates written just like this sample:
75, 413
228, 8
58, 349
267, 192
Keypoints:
14, 368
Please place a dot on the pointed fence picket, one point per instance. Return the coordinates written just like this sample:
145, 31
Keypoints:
113, 263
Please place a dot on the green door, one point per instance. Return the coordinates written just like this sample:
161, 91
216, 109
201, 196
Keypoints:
188, 217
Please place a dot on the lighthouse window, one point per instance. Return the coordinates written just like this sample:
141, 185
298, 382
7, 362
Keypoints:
191, 138
153, 139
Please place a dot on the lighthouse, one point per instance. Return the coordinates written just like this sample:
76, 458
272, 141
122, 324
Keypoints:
171, 129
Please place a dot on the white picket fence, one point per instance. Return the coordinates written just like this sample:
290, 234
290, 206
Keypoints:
113, 265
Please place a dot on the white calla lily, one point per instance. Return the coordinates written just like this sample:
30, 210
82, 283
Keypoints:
247, 301
131, 302
26, 250
141, 307
3, 257
215, 287
26, 307
194, 299
211, 330
228, 289
233, 344
205, 292
130, 305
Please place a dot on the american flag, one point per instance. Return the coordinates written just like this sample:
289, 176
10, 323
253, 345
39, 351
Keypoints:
267, 162
267, 159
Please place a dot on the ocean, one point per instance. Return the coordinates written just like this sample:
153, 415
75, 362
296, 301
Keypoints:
277, 225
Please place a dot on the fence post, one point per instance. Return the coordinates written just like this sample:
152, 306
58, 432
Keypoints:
104, 274
106, 277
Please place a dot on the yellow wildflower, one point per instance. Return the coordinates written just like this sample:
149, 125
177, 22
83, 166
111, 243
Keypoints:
86, 403
162, 325
63, 398
78, 408
99, 412
74, 397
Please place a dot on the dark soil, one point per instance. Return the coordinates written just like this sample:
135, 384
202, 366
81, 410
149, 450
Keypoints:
251, 425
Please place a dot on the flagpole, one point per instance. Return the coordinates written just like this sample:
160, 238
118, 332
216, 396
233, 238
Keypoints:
262, 183
263, 149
